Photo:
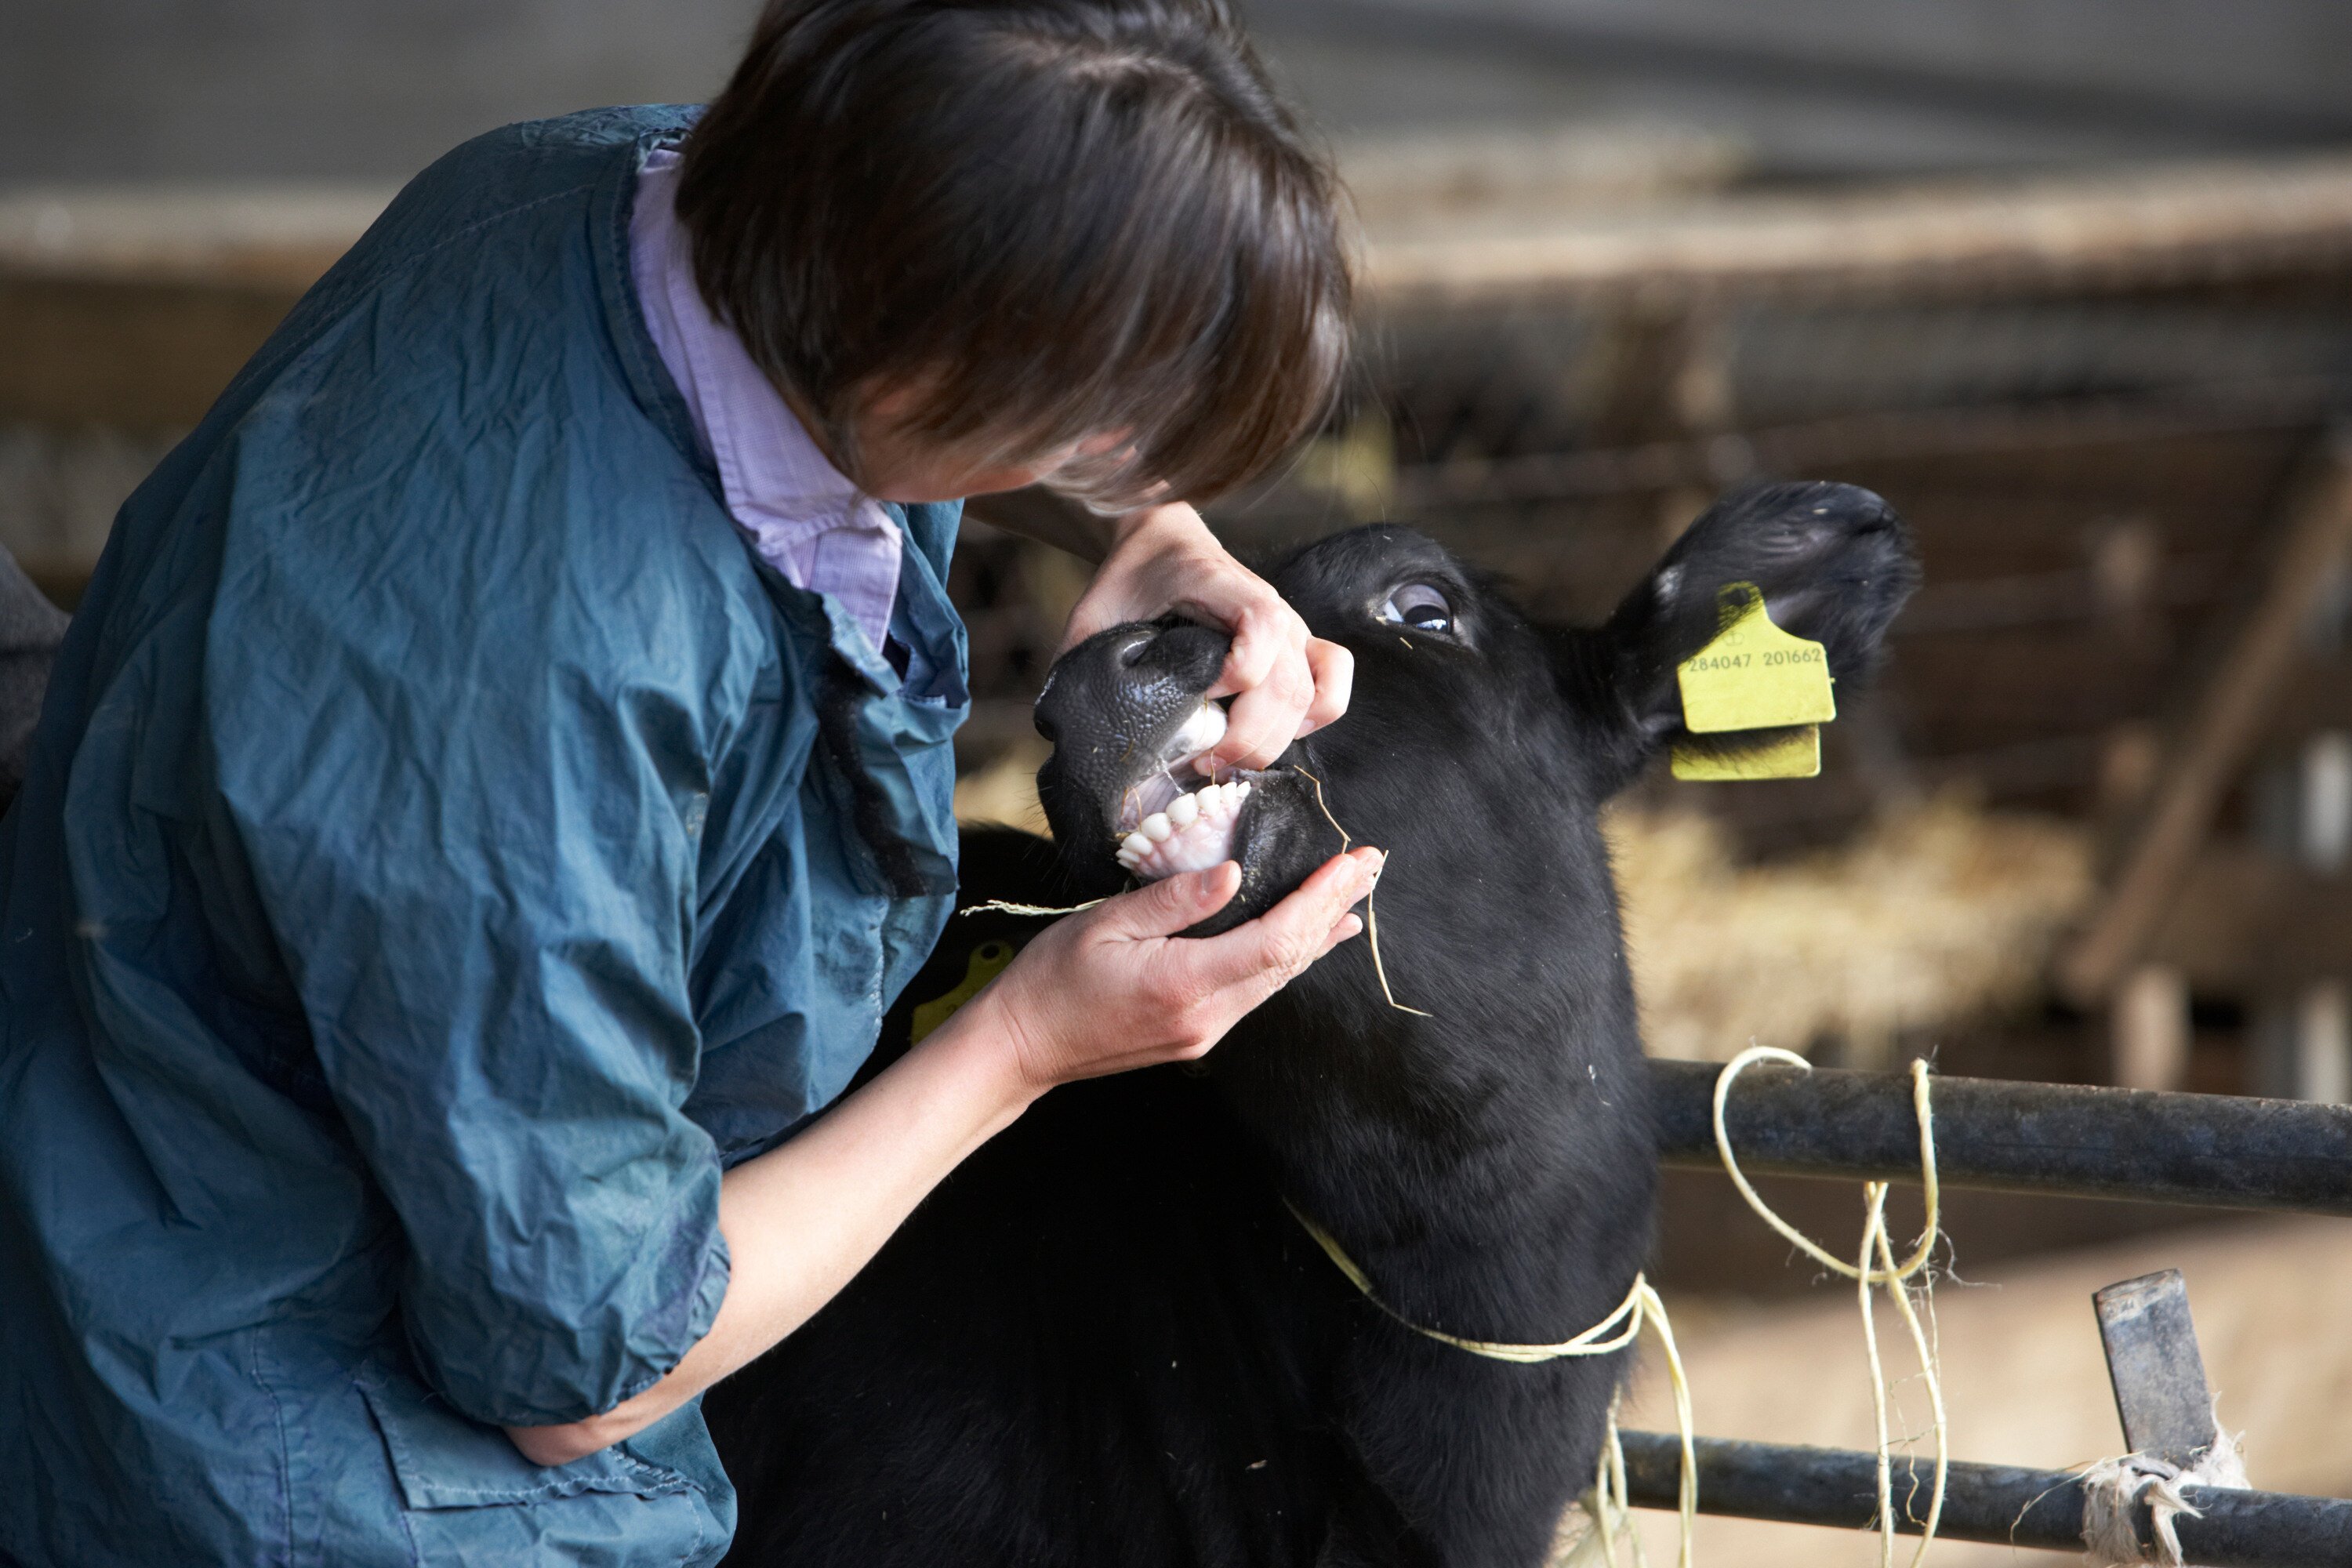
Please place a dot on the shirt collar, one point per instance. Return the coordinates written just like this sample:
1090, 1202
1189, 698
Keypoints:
800, 513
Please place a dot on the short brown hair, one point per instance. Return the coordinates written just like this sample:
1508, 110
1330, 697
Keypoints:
1057, 220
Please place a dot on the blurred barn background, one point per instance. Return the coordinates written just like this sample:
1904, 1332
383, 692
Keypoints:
2069, 281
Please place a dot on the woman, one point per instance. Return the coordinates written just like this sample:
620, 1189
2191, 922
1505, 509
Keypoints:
500, 773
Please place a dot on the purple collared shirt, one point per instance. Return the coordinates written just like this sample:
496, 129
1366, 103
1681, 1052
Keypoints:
800, 514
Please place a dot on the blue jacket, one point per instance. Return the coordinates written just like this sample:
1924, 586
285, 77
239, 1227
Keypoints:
445, 846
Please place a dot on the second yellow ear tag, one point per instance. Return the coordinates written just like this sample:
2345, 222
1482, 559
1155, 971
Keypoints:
988, 960
1754, 675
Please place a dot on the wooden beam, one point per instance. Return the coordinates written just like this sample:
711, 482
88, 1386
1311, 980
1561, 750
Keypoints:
128, 352
134, 305
2069, 430
2152, 226
2211, 929
2317, 696
2229, 716
228, 260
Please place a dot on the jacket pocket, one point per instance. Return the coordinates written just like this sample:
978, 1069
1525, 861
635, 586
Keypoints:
442, 1459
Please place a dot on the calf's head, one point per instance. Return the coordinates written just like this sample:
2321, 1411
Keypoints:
1478, 745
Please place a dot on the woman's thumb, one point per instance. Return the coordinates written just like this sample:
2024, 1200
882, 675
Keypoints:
1173, 903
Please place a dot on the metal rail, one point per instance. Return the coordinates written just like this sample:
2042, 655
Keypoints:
2136, 1145
2003, 1504
2025, 1137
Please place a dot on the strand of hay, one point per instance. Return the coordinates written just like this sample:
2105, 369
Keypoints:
1934, 914
1006, 792
1371, 912
1606, 1504
1006, 907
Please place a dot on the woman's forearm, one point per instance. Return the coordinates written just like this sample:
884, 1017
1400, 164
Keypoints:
1109, 990
1038, 513
804, 1218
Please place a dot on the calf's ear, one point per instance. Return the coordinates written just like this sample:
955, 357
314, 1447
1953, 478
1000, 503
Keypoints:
1834, 562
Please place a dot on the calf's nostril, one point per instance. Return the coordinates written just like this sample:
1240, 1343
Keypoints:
1131, 651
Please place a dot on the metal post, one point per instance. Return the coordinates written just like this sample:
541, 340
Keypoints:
2158, 1372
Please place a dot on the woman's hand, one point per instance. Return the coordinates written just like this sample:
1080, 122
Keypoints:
1283, 682
1116, 988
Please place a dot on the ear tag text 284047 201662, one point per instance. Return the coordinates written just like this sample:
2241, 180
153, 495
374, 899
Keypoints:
1754, 675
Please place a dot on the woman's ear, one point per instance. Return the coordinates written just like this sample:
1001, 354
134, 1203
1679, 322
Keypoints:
1832, 562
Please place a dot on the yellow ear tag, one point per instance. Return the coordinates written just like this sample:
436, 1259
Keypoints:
1793, 754
987, 961
1754, 675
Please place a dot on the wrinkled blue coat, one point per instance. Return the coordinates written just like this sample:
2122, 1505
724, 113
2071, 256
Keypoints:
445, 846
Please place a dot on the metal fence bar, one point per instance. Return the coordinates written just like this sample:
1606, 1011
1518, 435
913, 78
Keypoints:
2139, 1144
2003, 1504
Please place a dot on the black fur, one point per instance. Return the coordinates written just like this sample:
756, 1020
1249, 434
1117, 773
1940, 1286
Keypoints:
1104, 1342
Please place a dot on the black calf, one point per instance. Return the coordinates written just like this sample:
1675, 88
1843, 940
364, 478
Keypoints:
1104, 1342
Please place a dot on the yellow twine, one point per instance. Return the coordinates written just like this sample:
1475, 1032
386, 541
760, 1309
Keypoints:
1609, 1507
1608, 1501
1610, 1334
1888, 1275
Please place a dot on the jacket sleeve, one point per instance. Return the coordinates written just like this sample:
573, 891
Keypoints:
474, 825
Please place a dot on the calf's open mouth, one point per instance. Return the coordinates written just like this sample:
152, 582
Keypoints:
1177, 818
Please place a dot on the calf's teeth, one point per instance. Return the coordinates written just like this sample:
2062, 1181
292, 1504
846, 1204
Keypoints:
1193, 832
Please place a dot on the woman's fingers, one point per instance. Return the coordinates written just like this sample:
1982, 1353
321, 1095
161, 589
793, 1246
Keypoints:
1116, 988
1283, 682
1273, 950
1268, 669
1167, 906
1350, 928
1263, 628
1333, 669
1114, 597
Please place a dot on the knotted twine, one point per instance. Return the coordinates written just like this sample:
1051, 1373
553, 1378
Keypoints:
2112, 1488
1887, 1274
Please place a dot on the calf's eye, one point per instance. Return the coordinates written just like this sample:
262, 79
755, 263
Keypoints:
1419, 605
